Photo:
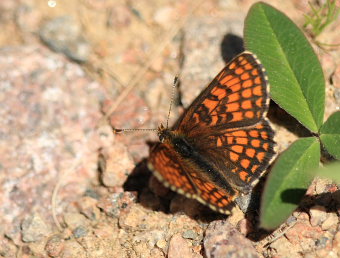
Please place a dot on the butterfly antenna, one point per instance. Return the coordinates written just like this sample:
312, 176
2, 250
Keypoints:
176, 81
116, 131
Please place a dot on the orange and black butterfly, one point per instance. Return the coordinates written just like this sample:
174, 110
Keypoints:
222, 143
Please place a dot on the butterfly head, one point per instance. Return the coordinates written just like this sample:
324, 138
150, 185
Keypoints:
163, 133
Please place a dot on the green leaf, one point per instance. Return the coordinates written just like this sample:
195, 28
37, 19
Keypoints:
332, 171
295, 74
330, 135
288, 181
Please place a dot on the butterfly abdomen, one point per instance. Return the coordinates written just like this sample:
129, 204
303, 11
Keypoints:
186, 149
183, 147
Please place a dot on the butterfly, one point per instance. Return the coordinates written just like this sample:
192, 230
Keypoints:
222, 143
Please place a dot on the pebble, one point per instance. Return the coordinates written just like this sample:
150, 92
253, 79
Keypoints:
318, 215
161, 243
54, 246
244, 226
115, 165
331, 221
164, 16
80, 231
63, 34
87, 206
179, 247
224, 240
116, 203
74, 220
34, 228
190, 234
139, 218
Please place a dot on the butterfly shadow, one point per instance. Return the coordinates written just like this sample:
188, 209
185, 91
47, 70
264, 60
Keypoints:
280, 117
231, 46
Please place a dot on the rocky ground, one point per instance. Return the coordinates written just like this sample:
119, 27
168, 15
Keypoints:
69, 187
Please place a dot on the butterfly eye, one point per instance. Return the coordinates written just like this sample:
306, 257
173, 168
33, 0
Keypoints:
161, 138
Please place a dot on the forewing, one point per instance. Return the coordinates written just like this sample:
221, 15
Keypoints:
237, 97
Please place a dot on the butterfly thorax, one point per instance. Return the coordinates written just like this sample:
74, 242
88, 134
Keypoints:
179, 142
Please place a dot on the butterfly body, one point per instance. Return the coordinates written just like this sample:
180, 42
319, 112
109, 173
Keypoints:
222, 143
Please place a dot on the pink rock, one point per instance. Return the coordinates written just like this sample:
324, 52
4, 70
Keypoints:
179, 247
54, 246
116, 203
318, 215
116, 165
224, 240
303, 233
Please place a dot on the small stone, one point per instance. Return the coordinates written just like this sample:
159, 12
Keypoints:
79, 231
34, 229
74, 220
103, 231
63, 34
161, 243
87, 206
321, 242
54, 246
37, 249
331, 221
92, 193
115, 203
179, 247
318, 215
190, 234
135, 218
244, 226
224, 240
164, 16
115, 165
322, 185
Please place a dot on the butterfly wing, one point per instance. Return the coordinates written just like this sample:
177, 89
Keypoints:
228, 119
188, 179
237, 97
241, 154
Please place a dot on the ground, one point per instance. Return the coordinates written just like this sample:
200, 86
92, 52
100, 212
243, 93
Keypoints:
70, 187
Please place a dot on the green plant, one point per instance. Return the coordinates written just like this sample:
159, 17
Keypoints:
321, 17
298, 86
